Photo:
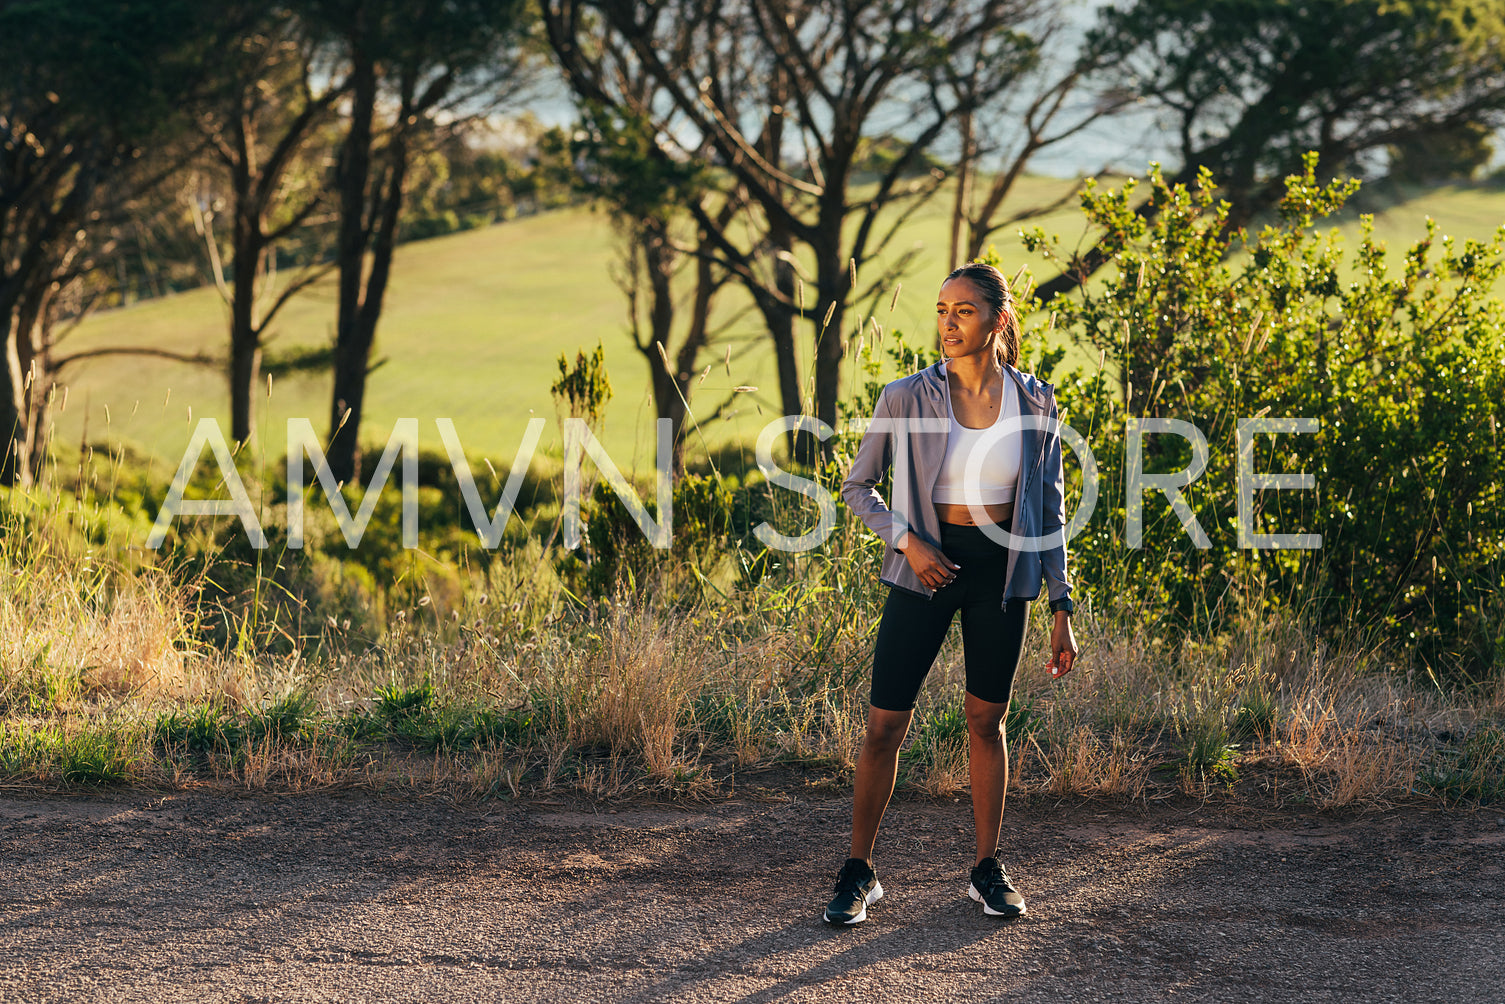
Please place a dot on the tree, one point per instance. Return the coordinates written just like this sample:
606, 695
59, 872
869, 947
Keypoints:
646, 177
93, 270
1248, 86
646, 196
1023, 106
1447, 155
260, 121
787, 96
409, 63
85, 87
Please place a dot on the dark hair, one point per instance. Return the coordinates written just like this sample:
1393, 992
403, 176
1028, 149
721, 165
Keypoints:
995, 289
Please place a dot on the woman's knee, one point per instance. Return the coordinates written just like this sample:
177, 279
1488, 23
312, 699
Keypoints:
886, 729
984, 719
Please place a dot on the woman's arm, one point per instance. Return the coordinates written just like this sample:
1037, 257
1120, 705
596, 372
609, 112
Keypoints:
1053, 560
1063, 646
860, 488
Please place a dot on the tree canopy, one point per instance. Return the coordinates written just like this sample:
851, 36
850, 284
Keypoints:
1246, 87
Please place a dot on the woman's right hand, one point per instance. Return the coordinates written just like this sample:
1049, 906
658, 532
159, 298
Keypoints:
932, 567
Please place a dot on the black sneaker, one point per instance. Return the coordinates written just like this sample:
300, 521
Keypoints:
991, 887
856, 887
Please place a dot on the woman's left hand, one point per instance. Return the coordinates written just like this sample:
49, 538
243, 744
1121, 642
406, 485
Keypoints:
1063, 647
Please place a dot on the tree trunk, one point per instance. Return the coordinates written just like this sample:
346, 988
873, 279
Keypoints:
33, 271
34, 319
780, 320
833, 284
351, 351
384, 244
349, 396
15, 388
39, 425
12, 410
247, 244
245, 347
666, 389
658, 265
777, 313
833, 280
245, 372
367, 290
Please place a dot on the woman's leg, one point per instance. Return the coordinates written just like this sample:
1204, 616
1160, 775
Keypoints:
877, 769
988, 768
909, 636
993, 638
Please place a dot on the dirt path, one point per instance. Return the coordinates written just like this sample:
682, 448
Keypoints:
205, 898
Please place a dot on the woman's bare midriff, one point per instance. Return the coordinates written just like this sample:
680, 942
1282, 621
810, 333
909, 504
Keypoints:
964, 515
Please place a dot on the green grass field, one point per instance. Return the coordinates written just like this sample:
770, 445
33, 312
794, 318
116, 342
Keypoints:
475, 321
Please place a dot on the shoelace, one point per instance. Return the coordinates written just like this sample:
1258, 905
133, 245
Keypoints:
850, 880
995, 877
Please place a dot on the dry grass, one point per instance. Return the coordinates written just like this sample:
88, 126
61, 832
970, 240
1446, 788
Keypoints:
75, 632
529, 692
638, 679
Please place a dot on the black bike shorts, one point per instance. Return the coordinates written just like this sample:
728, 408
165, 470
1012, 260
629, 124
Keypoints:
913, 627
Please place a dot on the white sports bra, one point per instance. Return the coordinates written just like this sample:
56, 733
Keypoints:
1000, 464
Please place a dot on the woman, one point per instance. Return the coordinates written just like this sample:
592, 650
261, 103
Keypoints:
954, 497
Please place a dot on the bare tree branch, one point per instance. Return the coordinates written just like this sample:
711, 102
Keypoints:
198, 359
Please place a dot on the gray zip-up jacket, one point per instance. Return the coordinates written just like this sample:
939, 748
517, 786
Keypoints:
916, 459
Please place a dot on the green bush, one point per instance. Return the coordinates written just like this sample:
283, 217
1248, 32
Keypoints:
97, 755
1209, 754
397, 704
939, 734
1404, 367
513, 727
703, 507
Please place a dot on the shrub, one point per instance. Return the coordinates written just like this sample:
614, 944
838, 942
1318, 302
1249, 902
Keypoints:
703, 507
1403, 367
280, 719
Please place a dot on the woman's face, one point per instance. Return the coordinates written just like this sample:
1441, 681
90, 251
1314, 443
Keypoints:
963, 319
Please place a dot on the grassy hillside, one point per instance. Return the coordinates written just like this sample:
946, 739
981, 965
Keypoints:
475, 321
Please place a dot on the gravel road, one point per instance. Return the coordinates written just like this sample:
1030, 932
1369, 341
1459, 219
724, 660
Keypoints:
203, 897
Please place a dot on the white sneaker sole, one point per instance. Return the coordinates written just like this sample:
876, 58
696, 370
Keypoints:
972, 891
871, 898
